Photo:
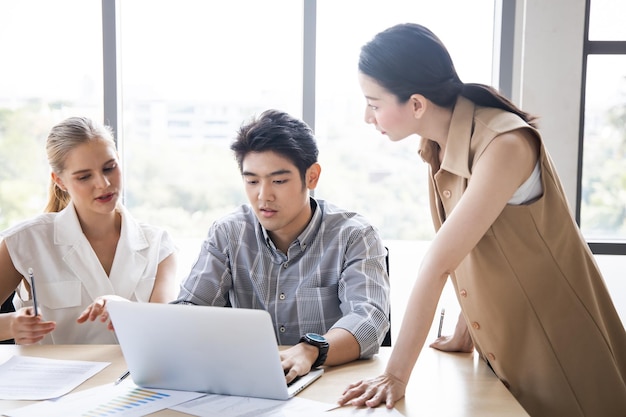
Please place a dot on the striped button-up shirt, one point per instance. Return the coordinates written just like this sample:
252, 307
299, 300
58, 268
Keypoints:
332, 276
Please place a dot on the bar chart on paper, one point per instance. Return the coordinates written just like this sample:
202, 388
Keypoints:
136, 398
123, 400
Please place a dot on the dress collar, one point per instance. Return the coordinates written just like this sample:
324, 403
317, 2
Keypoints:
456, 157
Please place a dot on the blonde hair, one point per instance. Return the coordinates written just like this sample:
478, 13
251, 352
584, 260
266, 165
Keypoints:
63, 138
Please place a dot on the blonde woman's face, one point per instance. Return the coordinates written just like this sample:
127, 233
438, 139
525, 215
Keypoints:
92, 177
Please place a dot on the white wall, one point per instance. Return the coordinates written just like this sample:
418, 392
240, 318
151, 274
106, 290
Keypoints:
547, 82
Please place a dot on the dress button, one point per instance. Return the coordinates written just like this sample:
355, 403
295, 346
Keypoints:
476, 325
282, 329
447, 193
282, 296
463, 293
491, 357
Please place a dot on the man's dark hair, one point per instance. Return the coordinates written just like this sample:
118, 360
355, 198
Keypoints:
278, 132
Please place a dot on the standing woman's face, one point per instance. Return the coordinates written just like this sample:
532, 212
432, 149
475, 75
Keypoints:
92, 177
389, 117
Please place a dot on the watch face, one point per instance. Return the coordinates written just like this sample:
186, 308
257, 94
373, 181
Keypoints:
316, 337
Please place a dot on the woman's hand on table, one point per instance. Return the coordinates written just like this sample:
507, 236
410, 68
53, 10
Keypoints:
384, 389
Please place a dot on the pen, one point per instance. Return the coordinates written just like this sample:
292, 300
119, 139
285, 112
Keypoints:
337, 406
122, 377
443, 312
32, 286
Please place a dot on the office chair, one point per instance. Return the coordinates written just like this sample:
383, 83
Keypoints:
7, 307
387, 339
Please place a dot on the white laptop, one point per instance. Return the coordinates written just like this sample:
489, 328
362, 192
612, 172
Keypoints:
216, 350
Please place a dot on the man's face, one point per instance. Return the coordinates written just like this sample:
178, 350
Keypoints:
279, 198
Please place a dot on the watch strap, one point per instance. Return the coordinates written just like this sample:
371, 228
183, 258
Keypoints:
322, 347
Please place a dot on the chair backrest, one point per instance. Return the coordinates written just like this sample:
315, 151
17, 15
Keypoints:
387, 339
7, 307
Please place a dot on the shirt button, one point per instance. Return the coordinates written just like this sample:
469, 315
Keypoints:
491, 356
282, 329
475, 325
285, 265
463, 293
282, 296
447, 193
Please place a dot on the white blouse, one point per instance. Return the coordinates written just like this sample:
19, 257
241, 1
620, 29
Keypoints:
69, 276
529, 190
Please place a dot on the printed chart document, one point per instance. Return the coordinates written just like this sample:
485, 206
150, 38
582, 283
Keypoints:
123, 400
213, 405
33, 378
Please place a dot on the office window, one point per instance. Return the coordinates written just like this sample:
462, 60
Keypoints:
603, 183
363, 170
192, 72
606, 20
51, 69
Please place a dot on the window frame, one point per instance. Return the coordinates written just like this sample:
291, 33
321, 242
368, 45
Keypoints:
593, 47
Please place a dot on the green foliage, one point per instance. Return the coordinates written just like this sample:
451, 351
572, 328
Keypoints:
24, 174
181, 186
185, 185
603, 201
385, 182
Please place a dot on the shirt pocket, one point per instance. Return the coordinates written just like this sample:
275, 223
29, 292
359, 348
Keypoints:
319, 304
57, 295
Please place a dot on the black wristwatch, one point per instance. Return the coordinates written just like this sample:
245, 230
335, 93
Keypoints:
319, 342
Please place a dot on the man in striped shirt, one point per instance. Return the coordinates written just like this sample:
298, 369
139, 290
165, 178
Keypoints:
319, 270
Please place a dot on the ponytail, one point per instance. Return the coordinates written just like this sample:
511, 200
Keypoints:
487, 96
57, 198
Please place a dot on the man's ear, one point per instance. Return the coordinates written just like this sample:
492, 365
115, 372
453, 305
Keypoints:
419, 104
312, 175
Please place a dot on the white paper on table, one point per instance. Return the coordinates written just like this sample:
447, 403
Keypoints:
124, 400
349, 411
34, 378
213, 405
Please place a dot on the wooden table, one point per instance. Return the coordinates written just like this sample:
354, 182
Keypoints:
442, 384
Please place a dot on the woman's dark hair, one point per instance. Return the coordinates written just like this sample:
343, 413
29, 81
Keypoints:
278, 132
409, 59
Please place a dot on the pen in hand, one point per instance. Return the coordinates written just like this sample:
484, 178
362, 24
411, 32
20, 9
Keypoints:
122, 377
32, 288
443, 312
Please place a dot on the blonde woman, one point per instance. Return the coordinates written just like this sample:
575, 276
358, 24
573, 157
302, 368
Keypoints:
85, 245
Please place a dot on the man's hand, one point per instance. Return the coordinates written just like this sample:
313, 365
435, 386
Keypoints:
297, 360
